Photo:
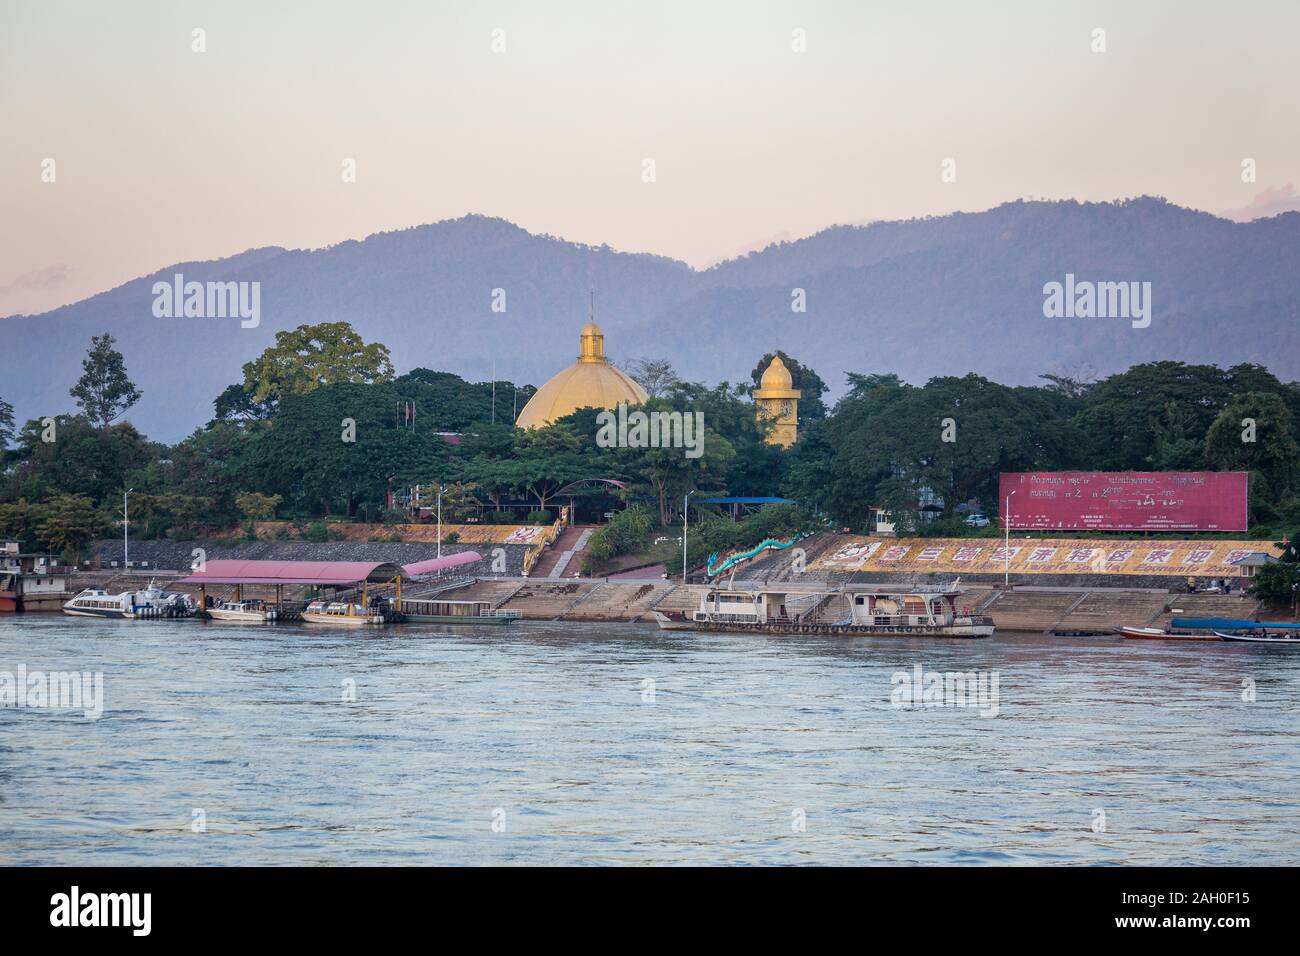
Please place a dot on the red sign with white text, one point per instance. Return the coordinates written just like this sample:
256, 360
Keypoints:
1125, 500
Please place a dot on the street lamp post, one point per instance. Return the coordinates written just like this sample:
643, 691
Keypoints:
686, 504
441, 489
126, 523
1006, 544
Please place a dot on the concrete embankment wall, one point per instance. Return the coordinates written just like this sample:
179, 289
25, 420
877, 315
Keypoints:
1074, 610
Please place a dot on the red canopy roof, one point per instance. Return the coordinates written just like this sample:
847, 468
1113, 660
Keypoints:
329, 573
438, 564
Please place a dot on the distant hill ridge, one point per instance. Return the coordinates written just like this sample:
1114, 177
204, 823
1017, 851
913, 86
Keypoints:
943, 295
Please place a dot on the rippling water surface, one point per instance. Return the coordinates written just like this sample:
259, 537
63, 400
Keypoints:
554, 733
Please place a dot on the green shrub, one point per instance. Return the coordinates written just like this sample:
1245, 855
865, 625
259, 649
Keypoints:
452, 538
626, 532
317, 532
539, 517
1274, 582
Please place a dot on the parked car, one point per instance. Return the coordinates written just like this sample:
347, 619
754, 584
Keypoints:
977, 521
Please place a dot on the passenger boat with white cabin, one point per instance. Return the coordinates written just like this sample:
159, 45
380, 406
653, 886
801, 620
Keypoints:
874, 610
249, 612
147, 603
341, 614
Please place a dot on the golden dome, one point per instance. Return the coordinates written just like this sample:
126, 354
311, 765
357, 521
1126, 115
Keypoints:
590, 382
776, 376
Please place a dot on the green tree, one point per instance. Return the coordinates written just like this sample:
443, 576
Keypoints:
256, 506
19, 521
666, 473
305, 358
236, 404
1255, 433
6, 424
547, 459
860, 386
656, 376
1152, 415
104, 391
69, 521
304, 456
82, 459
1277, 583
952, 436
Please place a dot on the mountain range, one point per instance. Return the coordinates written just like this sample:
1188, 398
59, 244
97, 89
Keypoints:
942, 295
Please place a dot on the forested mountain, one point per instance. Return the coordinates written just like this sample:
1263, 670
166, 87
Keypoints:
939, 296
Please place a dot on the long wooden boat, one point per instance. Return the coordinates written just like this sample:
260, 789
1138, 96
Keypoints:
436, 611
1160, 634
1264, 637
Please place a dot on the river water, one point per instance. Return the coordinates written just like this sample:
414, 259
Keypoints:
559, 743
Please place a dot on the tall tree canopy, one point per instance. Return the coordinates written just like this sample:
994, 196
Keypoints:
305, 358
104, 391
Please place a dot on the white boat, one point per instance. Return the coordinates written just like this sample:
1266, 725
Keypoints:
880, 610
150, 602
255, 612
340, 614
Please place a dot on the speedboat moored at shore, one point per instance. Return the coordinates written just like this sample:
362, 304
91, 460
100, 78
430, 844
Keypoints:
341, 614
150, 602
253, 612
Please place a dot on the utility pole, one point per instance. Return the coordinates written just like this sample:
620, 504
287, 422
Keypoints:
441, 489
1006, 544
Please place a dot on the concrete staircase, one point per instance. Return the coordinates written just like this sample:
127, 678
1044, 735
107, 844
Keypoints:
547, 600
1103, 612
619, 602
557, 557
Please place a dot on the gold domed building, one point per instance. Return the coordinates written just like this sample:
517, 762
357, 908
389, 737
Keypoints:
590, 382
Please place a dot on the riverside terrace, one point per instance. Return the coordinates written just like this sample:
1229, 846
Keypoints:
1095, 597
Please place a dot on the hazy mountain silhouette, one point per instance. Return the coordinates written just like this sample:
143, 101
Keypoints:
936, 296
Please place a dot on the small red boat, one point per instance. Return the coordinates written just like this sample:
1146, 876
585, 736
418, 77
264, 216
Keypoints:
1160, 634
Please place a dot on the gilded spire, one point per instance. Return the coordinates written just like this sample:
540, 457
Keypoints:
593, 339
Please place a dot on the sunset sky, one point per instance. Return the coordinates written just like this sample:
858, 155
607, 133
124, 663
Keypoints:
165, 155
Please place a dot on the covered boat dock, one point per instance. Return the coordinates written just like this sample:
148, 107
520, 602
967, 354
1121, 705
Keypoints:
339, 575
364, 577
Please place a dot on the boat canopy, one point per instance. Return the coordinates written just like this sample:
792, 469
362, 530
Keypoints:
1231, 623
326, 573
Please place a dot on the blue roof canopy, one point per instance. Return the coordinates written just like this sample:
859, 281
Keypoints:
746, 501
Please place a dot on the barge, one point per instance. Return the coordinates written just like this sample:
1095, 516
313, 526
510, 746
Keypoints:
874, 611
434, 611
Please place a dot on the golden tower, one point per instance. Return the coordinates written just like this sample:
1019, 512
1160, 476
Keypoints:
778, 401
590, 382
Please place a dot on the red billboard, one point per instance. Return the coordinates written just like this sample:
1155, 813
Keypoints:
1125, 500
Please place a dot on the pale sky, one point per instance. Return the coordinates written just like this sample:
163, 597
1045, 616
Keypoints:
166, 155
